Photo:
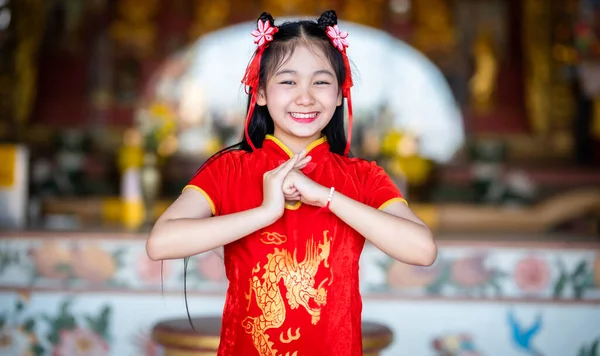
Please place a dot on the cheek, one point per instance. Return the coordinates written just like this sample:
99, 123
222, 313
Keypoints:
333, 96
274, 97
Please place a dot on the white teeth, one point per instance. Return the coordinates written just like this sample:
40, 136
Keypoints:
303, 116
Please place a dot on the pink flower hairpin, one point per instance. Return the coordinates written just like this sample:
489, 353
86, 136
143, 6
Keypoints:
338, 37
264, 33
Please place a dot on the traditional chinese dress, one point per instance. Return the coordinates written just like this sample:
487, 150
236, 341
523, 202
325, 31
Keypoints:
293, 285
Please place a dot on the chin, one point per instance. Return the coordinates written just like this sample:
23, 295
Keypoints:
305, 130
305, 133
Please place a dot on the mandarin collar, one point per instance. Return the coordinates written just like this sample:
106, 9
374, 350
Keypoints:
275, 149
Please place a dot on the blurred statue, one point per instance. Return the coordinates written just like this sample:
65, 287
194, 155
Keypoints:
483, 81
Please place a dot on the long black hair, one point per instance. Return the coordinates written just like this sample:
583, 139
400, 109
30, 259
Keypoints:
289, 35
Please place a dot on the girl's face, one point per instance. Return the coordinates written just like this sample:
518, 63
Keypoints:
301, 96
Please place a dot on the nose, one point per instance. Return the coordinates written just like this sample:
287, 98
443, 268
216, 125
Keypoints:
305, 97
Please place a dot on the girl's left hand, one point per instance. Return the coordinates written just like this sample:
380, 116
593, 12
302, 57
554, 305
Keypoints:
297, 186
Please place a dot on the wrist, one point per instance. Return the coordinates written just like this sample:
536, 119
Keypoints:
267, 216
327, 197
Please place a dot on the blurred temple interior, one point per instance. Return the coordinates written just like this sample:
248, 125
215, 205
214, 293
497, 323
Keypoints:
486, 113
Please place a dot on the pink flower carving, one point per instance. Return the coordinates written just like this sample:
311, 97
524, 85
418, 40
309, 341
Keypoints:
150, 271
94, 264
470, 271
338, 37
401, 275
211, 267
532, 274
264, 33
81, 342
52, 260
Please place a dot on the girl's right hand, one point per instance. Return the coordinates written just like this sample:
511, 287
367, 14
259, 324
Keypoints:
273, 198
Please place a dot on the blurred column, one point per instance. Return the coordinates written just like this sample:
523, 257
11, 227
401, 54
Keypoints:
21, 32
548, 81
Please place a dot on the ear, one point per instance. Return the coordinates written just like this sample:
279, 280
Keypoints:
261, 98
339, 98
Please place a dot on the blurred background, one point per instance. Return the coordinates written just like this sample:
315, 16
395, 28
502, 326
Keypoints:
486, 113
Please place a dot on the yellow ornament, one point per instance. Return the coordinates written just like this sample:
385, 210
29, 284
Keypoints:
131, 155
402, 151
212, 146
415, 169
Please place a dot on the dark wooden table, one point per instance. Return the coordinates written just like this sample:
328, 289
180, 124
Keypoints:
178, 338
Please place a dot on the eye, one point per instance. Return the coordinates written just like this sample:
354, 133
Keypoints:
322, 82
287, 82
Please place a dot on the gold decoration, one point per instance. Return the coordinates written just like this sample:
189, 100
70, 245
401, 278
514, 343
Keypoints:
173, 340
403, 159
129, 160
131, 155
483, 81
272, 238
299, 281
549, 98
8, 157
434, 26
209, 15
29, 34
290, 337
536, 45
289, 7
596, 120
158, 125
368, 13
324, 5
134, 28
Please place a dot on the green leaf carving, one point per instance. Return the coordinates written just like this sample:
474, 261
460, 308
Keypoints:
29, 325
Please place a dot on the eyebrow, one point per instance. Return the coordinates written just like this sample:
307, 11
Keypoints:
290, 71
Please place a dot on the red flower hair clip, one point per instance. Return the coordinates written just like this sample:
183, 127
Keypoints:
339, 41
264, 33
338, 38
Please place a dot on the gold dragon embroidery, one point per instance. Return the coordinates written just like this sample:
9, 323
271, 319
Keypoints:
272, 238
299, 281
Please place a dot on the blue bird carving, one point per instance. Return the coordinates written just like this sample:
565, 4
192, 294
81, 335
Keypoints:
523, 337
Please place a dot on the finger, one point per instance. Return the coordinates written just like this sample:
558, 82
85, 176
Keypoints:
302, 166
292, 197
292, 161
289, 190
302, 154
289, 165
295, 197
303, 162
305, 159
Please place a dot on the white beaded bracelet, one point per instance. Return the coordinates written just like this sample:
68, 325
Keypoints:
330, 197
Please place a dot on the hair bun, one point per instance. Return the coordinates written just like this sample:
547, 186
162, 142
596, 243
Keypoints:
328, 18
265, 16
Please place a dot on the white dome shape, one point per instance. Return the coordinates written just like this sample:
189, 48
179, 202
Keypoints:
387, 72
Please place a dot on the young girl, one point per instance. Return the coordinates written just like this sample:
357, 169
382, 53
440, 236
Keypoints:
289, 206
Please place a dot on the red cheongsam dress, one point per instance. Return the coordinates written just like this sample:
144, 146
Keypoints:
293, 285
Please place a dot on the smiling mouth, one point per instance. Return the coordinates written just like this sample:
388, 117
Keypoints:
304, 117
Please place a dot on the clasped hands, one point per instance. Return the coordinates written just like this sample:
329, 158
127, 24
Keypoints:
287, 183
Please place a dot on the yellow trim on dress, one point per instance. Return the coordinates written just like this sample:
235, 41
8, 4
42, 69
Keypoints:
289, 152
296, 206
393, 200
210, 201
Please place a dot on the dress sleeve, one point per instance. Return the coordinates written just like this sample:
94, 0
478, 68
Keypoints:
380, 190
210, 181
